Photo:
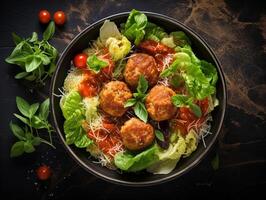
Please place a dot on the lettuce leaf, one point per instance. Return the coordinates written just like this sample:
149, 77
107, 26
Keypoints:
154, 32
107, 30
74, 132
73, 111
134, 27
180, 38
132, 163
70, 103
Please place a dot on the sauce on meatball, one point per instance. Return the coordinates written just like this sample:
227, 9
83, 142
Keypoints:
141, 63
159, 104
113, 96
136, 135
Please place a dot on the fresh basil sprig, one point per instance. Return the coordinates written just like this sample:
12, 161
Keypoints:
35, 57
138, 100
95, 64
183, 100
34, 117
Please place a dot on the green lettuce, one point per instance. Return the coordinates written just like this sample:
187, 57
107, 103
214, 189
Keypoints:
134, 27
199, 76
70, 103
154, 32
180, 38
132, 163
74, 113
75, 134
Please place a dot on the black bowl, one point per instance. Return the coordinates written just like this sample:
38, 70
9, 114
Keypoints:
81, 42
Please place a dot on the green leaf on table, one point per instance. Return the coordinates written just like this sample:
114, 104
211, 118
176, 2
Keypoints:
33, 64
17, 149
23, 106
21, 75
23, 119
38, 123
140, 111
33, 109
17, 131
95, 64
16, 38
49, 32
28, 147
34, 37
44, 109
36, 141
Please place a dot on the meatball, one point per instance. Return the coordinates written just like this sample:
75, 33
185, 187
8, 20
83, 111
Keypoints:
140, 63
136, 134
159, 104
113, 96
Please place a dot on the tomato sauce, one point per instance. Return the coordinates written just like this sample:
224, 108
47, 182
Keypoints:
107, 139
186, 117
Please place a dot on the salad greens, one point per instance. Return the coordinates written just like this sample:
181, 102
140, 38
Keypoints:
138, 100
35, 57
34, 118
132, 163
180, 100
74, 113
96, 64
134, 29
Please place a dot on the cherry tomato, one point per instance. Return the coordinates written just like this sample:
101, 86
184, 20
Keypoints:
87, 90
59, 17
44, 172
80, 60
44, 16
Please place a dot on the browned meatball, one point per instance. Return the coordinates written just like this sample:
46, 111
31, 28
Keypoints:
159, 104
136, 134
113, 97
140, 63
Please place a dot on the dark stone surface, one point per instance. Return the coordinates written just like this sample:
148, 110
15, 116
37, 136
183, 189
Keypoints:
236, 30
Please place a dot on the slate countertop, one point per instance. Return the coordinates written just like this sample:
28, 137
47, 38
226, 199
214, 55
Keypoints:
236, 30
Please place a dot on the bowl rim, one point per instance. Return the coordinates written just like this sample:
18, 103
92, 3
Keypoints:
163, 179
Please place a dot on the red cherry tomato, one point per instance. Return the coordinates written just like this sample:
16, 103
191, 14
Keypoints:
44, 16
44, 172
80, 60
59, 17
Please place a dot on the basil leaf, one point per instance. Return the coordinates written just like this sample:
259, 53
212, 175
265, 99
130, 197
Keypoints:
21, 75
34, 37
33, 64
23, 106
28, 147
45, 59
33, 109
159, 135
17, 131
180, 100
95, 64
38, 123
142, 84
16, 38
140, 111
135, 25
195, 109
49, 32
130, 102
23, 119
17, 149
36, 141
44, 109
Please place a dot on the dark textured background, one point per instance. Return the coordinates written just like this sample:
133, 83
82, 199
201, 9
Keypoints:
236, 30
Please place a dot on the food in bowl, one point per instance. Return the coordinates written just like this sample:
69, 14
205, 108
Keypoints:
138, 98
